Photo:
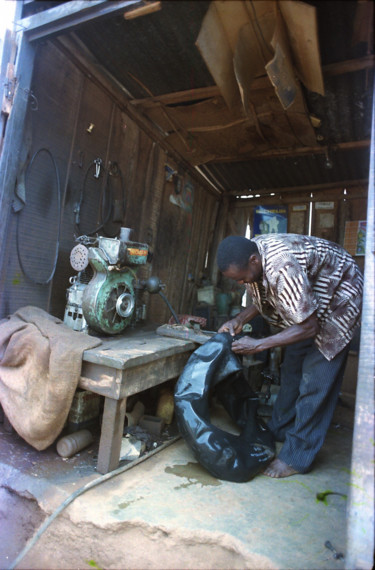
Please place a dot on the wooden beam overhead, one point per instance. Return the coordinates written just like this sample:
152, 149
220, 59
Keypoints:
68, 16
310, 188
303, 197
110, 86
179, 97
299, 151
348, 66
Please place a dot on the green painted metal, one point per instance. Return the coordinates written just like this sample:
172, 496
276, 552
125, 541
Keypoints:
136, 253
108, 301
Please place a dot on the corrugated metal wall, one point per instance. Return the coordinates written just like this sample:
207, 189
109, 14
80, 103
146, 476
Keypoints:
175, 222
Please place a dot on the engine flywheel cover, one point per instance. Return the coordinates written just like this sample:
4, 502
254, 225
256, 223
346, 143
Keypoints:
108, 302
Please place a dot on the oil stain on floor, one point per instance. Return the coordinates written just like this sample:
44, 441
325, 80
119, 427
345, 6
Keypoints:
194, 473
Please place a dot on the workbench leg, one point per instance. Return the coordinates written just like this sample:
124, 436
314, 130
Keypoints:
111, 434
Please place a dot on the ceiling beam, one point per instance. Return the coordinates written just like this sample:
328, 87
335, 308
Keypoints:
348, 66
298, 151
303, 198
179, 97
109, 85
68, 16
310, 188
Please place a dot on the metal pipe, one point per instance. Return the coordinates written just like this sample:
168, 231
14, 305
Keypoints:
169, 307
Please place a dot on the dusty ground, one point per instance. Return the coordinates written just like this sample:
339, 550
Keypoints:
19, 519
168, 513
150, 547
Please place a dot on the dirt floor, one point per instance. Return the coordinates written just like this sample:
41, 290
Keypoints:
169, 513
19, 519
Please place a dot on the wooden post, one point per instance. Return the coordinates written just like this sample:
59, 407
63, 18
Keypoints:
13, 140
360, 526
111, 435
219, 236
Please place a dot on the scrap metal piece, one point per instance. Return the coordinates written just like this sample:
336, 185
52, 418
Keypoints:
185, 333
336, 555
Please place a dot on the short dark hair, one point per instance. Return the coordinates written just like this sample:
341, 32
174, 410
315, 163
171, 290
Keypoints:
235, 250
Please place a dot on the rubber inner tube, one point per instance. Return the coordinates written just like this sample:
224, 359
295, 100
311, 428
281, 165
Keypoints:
214, 367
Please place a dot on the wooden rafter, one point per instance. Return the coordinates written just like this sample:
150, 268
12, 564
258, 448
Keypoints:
309, 188
348, 66
299, 151
77, 53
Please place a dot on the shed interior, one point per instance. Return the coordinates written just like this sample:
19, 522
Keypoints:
184, 121
193, 141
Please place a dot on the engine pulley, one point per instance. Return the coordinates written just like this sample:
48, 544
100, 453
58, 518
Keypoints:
125, 305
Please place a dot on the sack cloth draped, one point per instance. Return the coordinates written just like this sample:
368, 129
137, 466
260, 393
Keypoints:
40, 367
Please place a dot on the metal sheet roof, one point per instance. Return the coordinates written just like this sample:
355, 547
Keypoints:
156, 61
252, 176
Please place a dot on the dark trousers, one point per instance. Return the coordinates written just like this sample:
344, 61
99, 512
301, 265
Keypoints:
309, 389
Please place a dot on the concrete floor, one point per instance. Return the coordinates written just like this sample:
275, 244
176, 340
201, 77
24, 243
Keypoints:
168, 512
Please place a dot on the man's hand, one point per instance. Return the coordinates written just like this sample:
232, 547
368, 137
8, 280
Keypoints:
246, 345
234, 326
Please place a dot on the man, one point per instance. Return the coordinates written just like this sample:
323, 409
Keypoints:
311, 290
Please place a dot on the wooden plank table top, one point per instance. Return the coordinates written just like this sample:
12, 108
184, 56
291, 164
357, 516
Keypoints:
135, 348
123, 366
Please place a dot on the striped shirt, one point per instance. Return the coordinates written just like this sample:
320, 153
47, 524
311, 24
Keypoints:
303, 275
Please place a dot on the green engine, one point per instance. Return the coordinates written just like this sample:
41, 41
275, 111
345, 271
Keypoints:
108, 300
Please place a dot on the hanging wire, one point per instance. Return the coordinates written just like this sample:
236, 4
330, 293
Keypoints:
106, 196
58, 191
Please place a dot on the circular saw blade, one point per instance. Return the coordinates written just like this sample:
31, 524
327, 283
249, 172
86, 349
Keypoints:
79, 257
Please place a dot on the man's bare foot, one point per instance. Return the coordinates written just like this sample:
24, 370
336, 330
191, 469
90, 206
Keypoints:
278, 469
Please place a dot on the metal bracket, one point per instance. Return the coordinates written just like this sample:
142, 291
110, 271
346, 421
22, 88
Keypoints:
98, 165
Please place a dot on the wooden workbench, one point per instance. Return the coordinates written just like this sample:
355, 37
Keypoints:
123, 366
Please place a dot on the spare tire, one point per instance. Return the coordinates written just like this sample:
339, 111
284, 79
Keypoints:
215, 367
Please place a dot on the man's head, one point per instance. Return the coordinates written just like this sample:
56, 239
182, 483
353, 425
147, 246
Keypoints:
238, 258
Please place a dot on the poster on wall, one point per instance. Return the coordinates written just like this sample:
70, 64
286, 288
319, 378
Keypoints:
270, 220
355, 237
298, 219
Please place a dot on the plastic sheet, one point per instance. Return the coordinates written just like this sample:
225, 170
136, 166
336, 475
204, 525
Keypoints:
215, 367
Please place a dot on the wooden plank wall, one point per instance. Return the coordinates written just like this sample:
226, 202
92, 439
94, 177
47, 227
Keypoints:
345, 207
177, 226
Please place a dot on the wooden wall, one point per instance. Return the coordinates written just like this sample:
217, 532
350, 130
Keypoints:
176, 220
330, 209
